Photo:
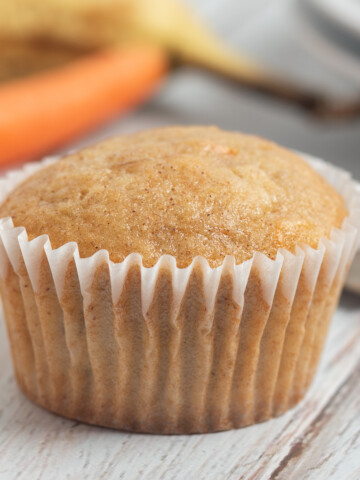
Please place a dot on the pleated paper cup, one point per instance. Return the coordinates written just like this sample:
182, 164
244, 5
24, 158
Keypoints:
167, 349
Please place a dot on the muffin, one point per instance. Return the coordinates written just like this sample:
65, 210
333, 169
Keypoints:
176, 280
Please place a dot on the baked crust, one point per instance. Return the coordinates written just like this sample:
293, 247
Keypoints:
182, 191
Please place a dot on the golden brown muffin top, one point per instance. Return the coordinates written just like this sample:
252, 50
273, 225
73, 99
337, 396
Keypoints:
183, 191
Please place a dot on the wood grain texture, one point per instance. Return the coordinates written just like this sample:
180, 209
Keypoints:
318, 439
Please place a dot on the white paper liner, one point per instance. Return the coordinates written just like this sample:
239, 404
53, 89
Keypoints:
287, 273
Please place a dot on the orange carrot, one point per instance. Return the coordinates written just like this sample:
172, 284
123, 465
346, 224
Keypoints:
44, 111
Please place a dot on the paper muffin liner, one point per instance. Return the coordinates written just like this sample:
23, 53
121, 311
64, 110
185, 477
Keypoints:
167, 349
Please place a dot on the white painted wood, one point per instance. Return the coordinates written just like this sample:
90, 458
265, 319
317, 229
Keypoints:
318, 439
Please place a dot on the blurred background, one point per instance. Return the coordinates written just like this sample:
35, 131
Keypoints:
312, 44
288, 38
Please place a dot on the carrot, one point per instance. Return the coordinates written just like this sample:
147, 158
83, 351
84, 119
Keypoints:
44, 111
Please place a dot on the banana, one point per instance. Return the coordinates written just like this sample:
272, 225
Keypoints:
93, 24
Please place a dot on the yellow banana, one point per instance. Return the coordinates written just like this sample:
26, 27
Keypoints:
94, 23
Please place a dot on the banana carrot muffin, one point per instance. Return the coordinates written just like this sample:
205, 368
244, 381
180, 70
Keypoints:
227, 327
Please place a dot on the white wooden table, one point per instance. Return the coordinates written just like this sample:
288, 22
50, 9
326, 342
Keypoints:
320, 439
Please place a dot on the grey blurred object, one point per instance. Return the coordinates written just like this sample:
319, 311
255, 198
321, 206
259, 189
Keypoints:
353, 279
339, 19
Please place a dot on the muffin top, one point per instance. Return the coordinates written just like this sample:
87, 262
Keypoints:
183, 191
